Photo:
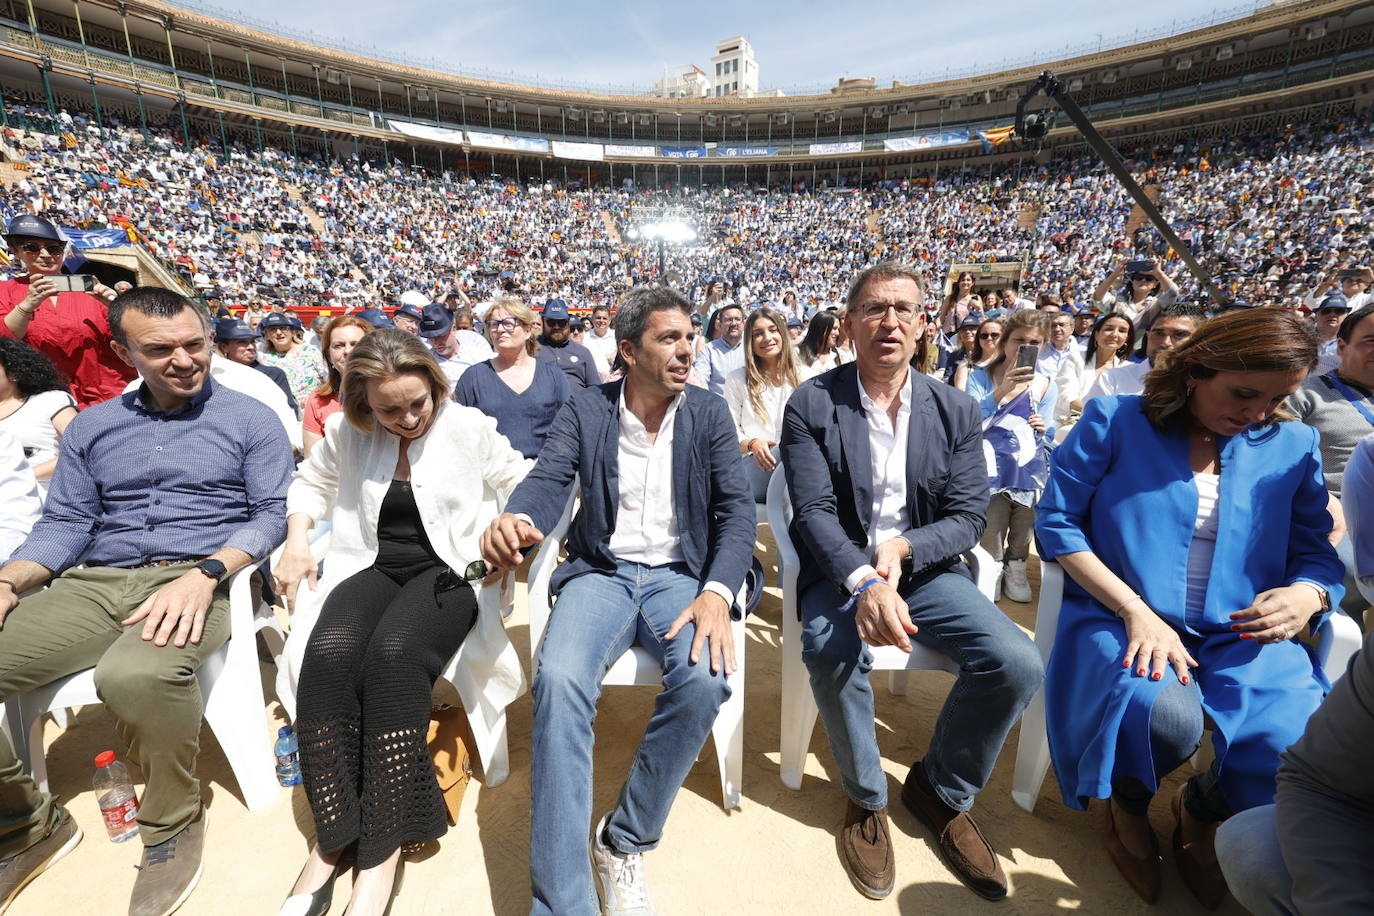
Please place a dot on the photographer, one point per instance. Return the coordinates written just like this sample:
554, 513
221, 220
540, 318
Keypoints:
70, 328
1147, 290
1354, 283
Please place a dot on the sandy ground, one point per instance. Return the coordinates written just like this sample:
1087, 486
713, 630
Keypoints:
775, 854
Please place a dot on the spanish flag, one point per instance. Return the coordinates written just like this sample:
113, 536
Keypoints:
996, 136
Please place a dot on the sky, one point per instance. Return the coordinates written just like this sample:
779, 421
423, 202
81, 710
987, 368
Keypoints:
616, 45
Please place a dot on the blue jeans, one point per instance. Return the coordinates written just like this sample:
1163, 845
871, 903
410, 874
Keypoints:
597, 619
1000, 670
1250, 858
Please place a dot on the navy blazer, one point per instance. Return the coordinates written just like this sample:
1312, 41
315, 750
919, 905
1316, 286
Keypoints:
711, 498
826, 457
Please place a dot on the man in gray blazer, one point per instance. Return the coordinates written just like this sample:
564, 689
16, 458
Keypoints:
886, 472
656, 554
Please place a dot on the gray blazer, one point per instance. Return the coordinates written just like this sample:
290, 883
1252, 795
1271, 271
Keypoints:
711, 498
826, 457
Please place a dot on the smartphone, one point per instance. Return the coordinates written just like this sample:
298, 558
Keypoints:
73, 283
1026, 355
1140, 267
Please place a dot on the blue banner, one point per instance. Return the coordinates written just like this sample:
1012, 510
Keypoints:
1015, 453
740, 152
925, 141
683, 152
96, 238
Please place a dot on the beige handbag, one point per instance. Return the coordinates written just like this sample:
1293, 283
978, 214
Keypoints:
449, 740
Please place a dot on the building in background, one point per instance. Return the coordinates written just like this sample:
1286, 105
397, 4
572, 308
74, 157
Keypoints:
689, 82
734, 70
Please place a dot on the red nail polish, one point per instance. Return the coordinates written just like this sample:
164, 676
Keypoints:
1140, 671
1247, 636
1185, 680
1156, 676
1235, 626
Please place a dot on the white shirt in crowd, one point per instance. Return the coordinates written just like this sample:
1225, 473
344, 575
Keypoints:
1357, 301
646, 528
472, 349
748, 424
601, 346
1129, 379
20, 505
887, 449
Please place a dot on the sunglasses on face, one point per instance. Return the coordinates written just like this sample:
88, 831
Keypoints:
990, 335
49, 247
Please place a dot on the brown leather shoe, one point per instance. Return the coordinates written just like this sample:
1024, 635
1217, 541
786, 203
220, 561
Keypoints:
1198, 866
866, 850
959, 840
1145, 876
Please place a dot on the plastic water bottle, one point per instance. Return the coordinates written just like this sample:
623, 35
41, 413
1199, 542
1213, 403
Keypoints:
115, 795
288, 757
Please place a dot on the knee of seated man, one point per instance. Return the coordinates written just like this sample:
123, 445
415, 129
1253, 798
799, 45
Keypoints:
125, 686
699, 682
1020, 667
559, 676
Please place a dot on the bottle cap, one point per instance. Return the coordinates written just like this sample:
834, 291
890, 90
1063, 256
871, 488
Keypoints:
104, 758
284, 731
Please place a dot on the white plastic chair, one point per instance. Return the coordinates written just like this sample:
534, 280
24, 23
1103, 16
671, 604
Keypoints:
488, 734
1339, 640
1353, 521
638, 668
234, 706
799, 709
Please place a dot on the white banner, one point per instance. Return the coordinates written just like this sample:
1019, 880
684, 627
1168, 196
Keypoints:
830, 149
615, 149
501, 141
591, 152
427, 132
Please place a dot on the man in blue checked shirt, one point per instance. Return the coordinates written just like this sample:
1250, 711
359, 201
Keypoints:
161, 494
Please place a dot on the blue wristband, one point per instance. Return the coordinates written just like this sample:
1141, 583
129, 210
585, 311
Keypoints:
854, 598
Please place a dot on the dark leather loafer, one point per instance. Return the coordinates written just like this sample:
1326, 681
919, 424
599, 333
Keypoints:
958, 838
866, 850
1145, 876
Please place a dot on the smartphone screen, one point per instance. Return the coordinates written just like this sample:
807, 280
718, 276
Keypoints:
1026, 355
73, 283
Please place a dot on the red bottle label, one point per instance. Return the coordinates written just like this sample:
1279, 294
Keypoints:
118, 818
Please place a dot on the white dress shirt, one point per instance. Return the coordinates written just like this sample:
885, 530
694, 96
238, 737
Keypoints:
646, 528
887, 450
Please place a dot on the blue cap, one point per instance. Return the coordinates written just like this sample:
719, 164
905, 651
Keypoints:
1246, 304
277, 320
28, 226
234, 329
555, 310
575, 324
376, 317
435, 321
410, 309
1334, 303
696, 319
794, 322
971, 321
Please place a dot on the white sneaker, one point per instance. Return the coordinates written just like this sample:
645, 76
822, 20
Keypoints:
1015, 585
620, 877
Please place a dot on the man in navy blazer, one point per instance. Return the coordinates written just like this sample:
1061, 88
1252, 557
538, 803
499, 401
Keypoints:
889, 486
656, 554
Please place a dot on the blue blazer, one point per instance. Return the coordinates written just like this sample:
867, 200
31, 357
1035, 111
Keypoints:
711, 498
826, 458
1123, 489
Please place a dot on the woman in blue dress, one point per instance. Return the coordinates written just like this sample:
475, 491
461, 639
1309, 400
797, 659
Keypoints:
1192, 523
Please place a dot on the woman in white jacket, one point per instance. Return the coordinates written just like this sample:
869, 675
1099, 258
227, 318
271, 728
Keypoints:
411, 479
758, 391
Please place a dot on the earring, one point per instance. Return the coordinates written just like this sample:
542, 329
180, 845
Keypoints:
1190, 391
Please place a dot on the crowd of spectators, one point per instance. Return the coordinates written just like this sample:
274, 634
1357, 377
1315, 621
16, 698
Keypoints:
1272, 214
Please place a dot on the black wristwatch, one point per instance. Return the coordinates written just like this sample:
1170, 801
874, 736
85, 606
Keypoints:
214, 569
